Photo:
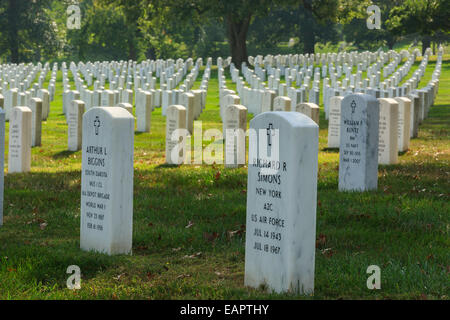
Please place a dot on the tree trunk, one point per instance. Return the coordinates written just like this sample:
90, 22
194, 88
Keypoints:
13, 41
426, 41
132, 55
237, 37
307, 35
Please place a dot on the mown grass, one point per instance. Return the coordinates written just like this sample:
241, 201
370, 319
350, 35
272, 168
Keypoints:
403, 227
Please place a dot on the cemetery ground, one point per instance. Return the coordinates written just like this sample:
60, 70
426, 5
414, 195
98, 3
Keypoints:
189, 221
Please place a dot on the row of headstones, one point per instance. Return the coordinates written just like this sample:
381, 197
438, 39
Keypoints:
146, 101
22, 76
399, 117
21, 95
120, 95
128, 72
261, 99
123, 75
352, 58
283, 89
342, 66
234, 117
281, 204
14, 98
384, 91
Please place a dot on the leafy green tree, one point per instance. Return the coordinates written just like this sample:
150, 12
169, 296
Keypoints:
427, 18
356, 31
27, 32
237, 15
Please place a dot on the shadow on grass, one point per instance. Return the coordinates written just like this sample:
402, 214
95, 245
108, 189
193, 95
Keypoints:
331, 150
63, 154
167, 166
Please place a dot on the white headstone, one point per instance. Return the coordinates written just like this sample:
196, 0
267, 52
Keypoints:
309, 109
404, 119
281, 202
44, 95
282, 104
187, 100
388, 134
107, 181
235, 127
176, 134
126, 106
144, 111
334, 122
75, 125
19, 158
358, 154
36, 121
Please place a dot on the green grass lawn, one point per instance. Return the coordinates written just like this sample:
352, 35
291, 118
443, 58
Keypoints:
403, 227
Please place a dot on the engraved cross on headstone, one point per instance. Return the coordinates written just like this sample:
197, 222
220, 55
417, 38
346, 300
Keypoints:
96, 125
353, 105
270, 133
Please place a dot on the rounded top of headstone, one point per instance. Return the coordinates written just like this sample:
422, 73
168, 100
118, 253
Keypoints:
236, 106
22, 109
404, 99
110, 111
293, 119
309, 104
175, 106
187, 94
388, 100
362, 97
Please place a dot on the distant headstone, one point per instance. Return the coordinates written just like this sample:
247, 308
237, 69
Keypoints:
358, 154
388, 134
404, 119
281, 202
309, 109
36, 122
19, 159
267, 101
11, 100
176, 134
126, 106
144, 111
414, 123
44, 95
107, 181
235, 126
75, 125
334, 121
187, 100
282, 104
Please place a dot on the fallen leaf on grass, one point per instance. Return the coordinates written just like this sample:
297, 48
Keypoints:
328, 252
43, 225
198, 254
210, 237
119, 276
231, 234
190, 224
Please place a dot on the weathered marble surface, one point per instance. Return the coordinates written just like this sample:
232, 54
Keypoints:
281, 202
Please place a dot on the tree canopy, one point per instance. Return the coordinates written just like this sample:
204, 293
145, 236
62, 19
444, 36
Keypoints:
141, 29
